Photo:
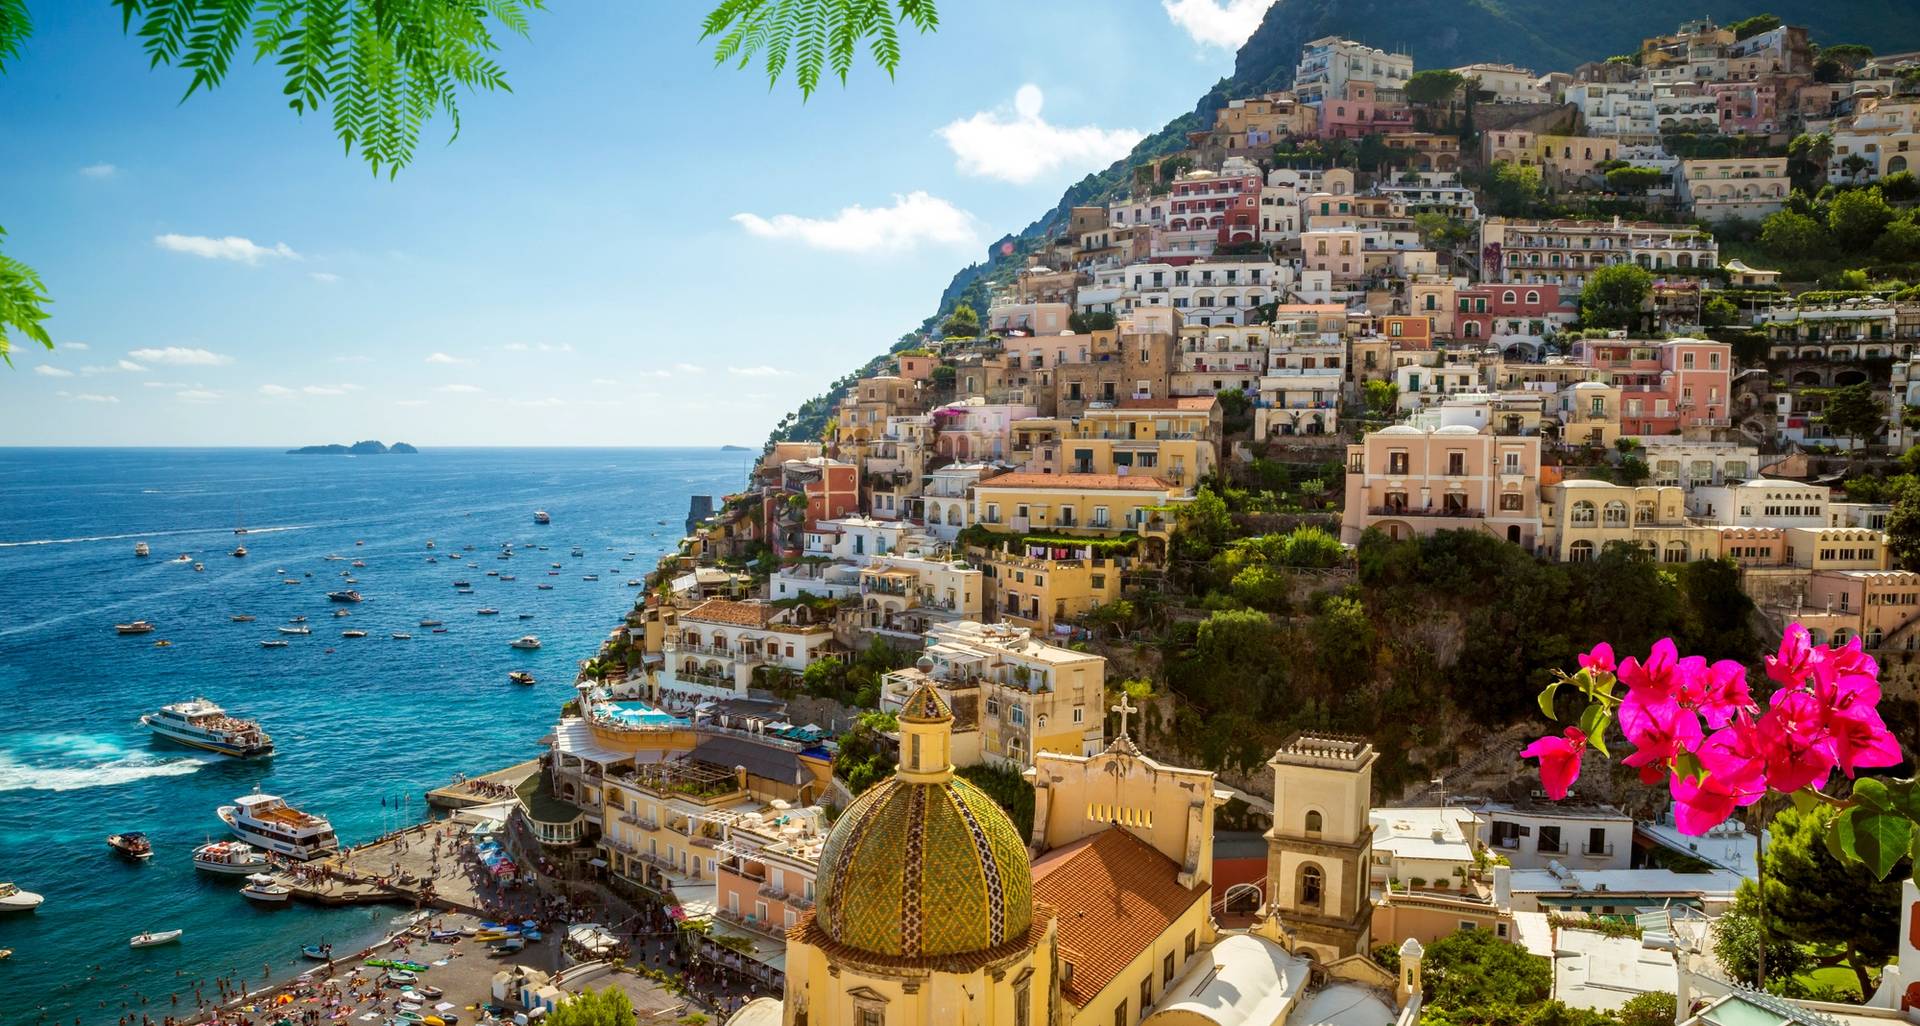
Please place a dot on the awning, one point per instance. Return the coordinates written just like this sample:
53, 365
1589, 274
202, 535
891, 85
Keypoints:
766, 951
597, 863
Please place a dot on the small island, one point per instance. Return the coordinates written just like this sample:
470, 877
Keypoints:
370, 448
735, 448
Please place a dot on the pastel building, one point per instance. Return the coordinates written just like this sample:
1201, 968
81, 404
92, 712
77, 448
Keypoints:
1745, 187
720, 643
1666, 387
1408, 481
1013, 695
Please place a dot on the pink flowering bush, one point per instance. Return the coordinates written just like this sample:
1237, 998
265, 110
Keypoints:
1697, 727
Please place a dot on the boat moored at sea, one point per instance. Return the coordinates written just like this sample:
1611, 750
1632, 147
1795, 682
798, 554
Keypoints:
267, 821
154, 939
13, 899
260, 887
232, 858
519, 677
136, 627
488, 611
430, 623
540, 517
526, 641
202, 724
296, 629
343, 596
133, 844
140, 549
401, 636
241, 618
353, 634
239, 552
273, 643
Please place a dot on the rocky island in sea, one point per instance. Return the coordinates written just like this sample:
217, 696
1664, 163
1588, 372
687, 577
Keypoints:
369, 448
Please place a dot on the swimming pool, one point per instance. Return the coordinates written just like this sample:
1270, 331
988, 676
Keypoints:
637, 714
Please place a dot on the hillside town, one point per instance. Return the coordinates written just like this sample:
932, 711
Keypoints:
924, 723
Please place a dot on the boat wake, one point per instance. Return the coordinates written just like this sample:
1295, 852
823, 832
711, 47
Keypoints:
75, 762
147, 534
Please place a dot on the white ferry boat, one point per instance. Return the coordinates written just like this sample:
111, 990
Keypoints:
202, 724
235, 858
267, 821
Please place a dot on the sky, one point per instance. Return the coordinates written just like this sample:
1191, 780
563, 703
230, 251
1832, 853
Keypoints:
634, 247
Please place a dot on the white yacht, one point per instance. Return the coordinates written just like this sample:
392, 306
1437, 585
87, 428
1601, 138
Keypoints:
267, 821
13, 899
260, 887
202, 724
527, 642
235, 858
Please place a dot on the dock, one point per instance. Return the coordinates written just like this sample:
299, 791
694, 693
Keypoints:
485, 789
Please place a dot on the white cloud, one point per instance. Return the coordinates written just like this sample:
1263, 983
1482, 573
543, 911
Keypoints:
357, 358
913, 219
445, 358
762, 371
167, 384
550, 402
78, 347
1222, 23
130, 367
1025, 148
538, 347
460, 389
689, 368
231, 247
180, 356
323, 277
197, 395
99, 171
51, 371
92, 397
276, 391
516, 347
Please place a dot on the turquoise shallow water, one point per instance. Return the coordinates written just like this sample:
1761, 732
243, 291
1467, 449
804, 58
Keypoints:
362, 731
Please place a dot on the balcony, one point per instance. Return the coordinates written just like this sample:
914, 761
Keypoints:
1436, 511
1597, 852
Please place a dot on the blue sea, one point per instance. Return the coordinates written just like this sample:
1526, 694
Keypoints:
363, 726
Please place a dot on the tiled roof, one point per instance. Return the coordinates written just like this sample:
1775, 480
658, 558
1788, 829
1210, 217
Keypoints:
1106, 482
1114, 894
739, 614
1195, 403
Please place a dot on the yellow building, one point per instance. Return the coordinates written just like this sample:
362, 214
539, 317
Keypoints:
1087, 505
1580, 518
1176, 441
1036, 586
1321, 843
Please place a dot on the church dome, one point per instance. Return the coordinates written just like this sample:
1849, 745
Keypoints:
924, 863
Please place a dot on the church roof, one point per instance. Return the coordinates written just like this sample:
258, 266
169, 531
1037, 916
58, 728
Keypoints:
925, 704
1114, 894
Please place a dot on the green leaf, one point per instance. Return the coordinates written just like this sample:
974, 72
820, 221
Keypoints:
1546, 699
1877, 839
1594, 723
1805, 800
1837, 847
1872, 794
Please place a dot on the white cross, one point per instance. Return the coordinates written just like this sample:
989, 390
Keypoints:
1123, 709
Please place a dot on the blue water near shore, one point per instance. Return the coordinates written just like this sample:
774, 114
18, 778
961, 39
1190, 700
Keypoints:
362, 731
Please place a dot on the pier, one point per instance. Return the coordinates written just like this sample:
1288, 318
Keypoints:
485, 789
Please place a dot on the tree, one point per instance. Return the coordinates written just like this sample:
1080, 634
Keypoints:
23, 303
1475, 969
1857, 217
608, 1007
1903, 523
1807, 157
1900, 187
1719, 312
1855, 165
1853, 411
1433, 85
1614, 294
1847, 916
820, 34
1512, 188
1899, 243
1651, 1009
963, 322
1633, 179
1746, 28
1631, 471
1737, 944
1786, 235
1850, 55
1204, 524
1382, 397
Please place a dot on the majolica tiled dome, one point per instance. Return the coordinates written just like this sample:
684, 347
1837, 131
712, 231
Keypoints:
915, 869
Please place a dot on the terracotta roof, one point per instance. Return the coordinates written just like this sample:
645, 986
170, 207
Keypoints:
1189, 402
739, 614
1090, 482
1114, 894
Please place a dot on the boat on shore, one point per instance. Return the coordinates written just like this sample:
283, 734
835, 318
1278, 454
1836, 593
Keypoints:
136, 627
526, 642
133, 844
260, 887
13, 899
343, 596
141, 550
267, 821
232, 858
204, 725
520, 677
318, 952
155, 939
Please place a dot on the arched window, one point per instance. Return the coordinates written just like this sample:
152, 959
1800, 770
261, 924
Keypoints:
1533, 297
1643, 513
1312, 886
1580, 552
1616, 513
1313, 821
1507, 297
1583, 512
1677, 552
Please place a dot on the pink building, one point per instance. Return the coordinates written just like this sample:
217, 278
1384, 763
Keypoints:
1410, 480
1341, 252
978, 430
1227, 202
1488, 310
808, 491
1664, 386
1747, 108
766, 881
1360, 113
916, 367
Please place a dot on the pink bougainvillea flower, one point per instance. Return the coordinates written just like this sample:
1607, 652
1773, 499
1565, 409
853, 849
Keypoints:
1700, 805
1793, 738
1851, 661
1718, 692
1658, 732
1600, 660
1857, 737
1656, 679
1841, 682
1795, 659
1733, 754
1559, 760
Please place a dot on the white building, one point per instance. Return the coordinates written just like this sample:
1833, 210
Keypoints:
1762, 502
1329, 63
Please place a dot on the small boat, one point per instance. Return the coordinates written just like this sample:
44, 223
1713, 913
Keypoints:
338, 613
182, 558
432, 559
508, 946
239, 552
132, 844
357, 541
520, 677
556, 566
589, 577
5, 953
233, 858
462, 584
441, 937
136, 627
488, 611
334, 557
199, 568
626, 559
633, 582
260, 887
163, 643
526, 616
318, 952
351, 580
429, 623
296, 619
140, 549
13, 899
493, 573
578, 552
290, 580
503, 555
239, 530
353, 634
402, 976
540, 517
154, 940
527, 642
431, 993
297, 629
508, 577
343, 596
241, 618
439, 630
429, 543
273, 644
401, 636
543, 587
359, 563
463, 591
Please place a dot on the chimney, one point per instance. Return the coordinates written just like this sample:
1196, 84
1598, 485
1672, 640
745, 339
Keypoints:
1410, 955
1503, 888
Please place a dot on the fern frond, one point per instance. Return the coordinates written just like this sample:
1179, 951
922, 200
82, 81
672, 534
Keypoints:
812, 36
15, 27
23, 302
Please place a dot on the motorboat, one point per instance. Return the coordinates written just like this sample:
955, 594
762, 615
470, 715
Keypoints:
520, 677
543, 587
589, 577
199, 568
13, 899
268, 822
508, 577
140, 549
181, 558
163, 643
401, 636
555, 566
239, 552
429, 543
526, 616
400, 976
462, 584
338, 613
296, 619
488, 611
527, 642
260, 887
136, 627
493, 573
290, 580
359, 563
578, 552
439, 630
241, 618
353, 634
430, 623
507, 946
343, 596
132, 844
318, 952
540, 517
232, 858
295, 629
633, 582
273, 644
154, 940
202, 724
